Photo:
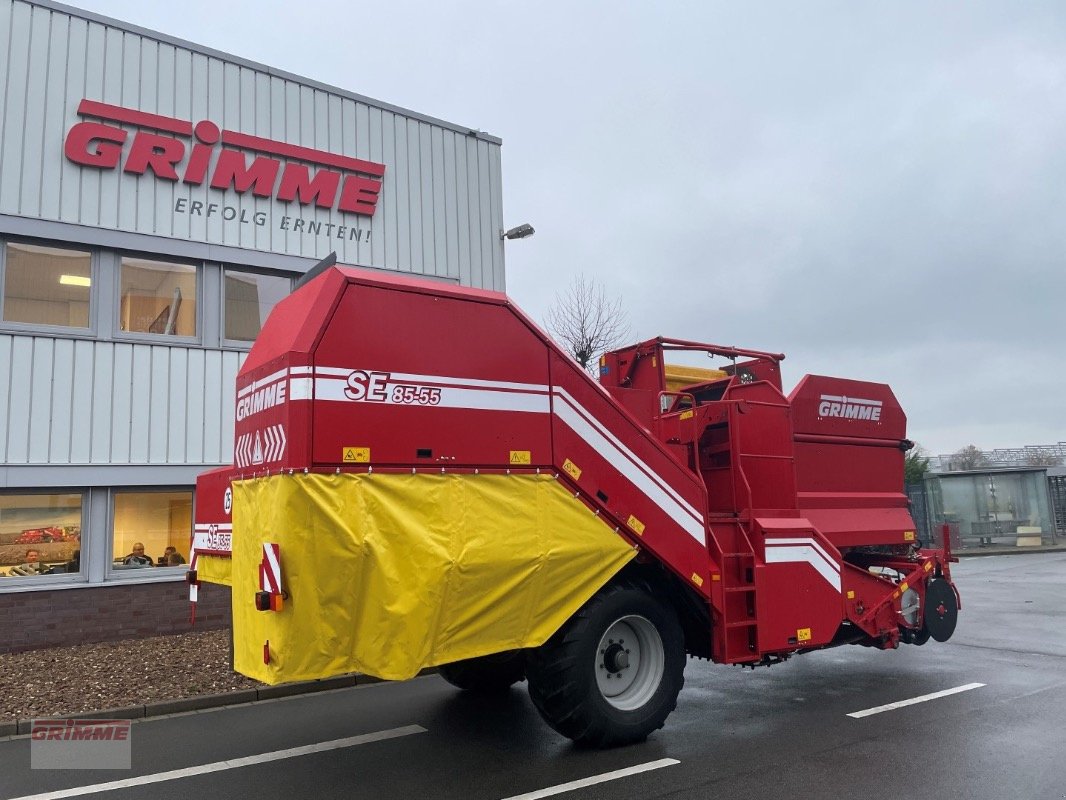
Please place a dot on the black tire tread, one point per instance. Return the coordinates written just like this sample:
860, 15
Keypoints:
564, 699
492, 673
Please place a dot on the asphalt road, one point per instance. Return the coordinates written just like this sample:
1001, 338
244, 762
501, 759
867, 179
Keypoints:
768, 733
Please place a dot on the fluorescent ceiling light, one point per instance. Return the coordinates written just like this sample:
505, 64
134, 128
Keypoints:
74, 280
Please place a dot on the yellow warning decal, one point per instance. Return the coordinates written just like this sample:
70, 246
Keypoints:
803, 635
686, 415
716, 577
928, 565
636, 525
851, 594
904, 587
908, 536
696, 579
572, 469
356, 455
520, 457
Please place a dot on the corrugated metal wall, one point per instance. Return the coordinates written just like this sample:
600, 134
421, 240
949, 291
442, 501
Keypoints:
439, 213
69, 401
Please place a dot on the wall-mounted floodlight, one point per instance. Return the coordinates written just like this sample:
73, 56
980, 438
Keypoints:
518, 232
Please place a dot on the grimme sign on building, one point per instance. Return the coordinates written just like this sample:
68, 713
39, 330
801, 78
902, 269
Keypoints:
126, 130
177, 150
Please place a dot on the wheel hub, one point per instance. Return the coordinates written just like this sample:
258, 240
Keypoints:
630, 662
615, 658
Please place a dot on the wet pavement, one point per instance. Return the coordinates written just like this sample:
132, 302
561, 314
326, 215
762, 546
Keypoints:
778, 732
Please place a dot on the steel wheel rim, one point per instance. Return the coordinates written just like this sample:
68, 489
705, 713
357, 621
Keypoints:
630, 662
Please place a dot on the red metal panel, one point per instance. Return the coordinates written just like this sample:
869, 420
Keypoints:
615, 462
798, 586
849, 460
429, 380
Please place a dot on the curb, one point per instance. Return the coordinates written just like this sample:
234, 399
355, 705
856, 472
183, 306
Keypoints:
1012, 551
17, 727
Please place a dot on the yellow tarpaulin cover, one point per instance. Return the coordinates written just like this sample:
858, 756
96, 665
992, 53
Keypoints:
388, 574
679, 376
214, 569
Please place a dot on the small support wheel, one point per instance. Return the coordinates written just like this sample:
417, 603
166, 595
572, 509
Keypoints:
493, 673
941, 610
612, 673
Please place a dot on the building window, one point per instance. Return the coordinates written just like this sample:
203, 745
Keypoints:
46, 285
249, 300
40, 534
152, 529
158, 297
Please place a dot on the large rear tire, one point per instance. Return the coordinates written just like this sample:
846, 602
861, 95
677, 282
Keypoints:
612, 673
493, 673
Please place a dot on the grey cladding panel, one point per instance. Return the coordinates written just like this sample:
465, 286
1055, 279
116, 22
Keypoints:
85, 402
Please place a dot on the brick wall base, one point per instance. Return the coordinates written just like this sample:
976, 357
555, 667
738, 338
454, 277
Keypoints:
58, 618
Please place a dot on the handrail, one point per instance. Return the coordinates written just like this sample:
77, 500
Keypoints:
662, 411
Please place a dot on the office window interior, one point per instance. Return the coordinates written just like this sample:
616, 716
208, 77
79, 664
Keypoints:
158, 297
249, 298
151, 529
46, 285
40, 534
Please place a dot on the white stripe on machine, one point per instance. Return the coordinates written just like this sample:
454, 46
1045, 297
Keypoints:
804, 551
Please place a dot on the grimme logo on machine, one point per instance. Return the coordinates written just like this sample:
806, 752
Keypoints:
849, 408
253, 401
177, 150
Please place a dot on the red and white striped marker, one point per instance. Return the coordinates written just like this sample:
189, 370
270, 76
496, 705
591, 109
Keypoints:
270, 569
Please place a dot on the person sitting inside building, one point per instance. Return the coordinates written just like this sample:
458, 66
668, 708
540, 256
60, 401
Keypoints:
74, 565
137, 558
33, 565
171, 557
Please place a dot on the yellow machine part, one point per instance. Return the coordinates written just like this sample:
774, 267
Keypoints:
388, 574
214, 569
678, 376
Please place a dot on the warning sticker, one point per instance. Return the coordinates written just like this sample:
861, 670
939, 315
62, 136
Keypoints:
696, 579
572, 469
908, 536
636, 525
803, 635
355, 455
520, 457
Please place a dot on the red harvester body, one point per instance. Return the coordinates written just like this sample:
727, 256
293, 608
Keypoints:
765, 524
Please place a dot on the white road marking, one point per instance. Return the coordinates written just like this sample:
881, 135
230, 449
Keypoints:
234, 763
913, 701
593, 780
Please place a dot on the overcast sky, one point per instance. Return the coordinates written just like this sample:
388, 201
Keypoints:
876, 189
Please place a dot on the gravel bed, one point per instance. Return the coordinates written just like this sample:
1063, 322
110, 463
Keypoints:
93, 677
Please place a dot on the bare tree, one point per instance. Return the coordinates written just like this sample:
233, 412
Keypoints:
1043, 460
969, 457
587, 322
